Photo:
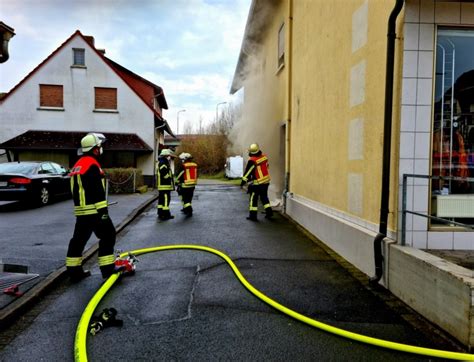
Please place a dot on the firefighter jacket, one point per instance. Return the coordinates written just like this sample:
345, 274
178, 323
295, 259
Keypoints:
164, 179
188, 175
257, 170
88, 186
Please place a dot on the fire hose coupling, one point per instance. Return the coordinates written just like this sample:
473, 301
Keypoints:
107, 318
125, 265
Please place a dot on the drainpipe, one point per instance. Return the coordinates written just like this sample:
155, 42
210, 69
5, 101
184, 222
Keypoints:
387, 138
289, 60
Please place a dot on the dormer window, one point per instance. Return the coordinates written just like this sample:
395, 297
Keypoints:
79, 57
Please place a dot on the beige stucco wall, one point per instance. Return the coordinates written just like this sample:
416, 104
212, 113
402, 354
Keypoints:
339, 51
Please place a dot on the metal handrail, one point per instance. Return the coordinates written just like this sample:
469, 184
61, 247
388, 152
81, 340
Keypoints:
442, 220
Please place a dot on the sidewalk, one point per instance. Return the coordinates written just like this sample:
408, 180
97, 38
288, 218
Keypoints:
123, 209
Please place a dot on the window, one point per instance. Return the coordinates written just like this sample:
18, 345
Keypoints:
51, 95
453, 125
47, 168
281, 46
105, 98
79, 57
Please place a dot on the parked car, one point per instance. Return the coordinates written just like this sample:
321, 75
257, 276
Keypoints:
33, 181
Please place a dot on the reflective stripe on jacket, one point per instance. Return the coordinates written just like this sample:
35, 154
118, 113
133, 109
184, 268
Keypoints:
88, 186
190, 175
164, 180
257, 170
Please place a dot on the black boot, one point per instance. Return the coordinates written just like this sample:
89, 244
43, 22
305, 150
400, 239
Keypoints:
268, 213
107, 270
76, 274
252, 216
188, 211
166, 215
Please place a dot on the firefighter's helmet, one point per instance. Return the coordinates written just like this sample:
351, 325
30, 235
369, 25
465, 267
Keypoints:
166, 152
254, 148
90, 141
185, 156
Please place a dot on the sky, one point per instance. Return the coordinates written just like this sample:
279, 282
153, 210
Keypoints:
189, 48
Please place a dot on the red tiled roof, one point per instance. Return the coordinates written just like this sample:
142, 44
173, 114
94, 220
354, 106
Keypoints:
144, 88
56, 140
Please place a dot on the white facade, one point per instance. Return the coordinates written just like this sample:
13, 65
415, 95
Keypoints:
21, 110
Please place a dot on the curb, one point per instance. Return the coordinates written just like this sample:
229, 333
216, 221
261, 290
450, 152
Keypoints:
31, 296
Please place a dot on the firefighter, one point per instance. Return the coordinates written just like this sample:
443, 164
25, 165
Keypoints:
258, 176
187, 180
88, 186
165, 184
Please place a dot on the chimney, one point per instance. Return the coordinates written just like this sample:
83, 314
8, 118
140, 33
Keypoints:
90, 40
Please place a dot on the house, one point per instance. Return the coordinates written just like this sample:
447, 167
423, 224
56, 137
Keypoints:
77, 90
348, 113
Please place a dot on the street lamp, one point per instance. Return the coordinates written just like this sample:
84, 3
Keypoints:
177, 120
6, 33
217, 105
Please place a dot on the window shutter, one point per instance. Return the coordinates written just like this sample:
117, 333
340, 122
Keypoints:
51, 95
105, 98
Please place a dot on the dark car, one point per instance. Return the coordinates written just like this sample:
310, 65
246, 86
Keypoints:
33, 181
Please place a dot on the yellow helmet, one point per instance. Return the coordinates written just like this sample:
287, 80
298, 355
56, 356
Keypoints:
253, 148
166, 152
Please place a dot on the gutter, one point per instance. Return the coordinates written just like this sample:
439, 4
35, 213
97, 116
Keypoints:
387, 144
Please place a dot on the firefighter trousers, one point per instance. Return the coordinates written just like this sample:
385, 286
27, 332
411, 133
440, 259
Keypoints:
163, 206
259, 192
105, 231
187, 194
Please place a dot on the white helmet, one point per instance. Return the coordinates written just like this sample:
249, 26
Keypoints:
185, 156
90, 141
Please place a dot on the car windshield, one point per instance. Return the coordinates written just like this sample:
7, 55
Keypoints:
21, 168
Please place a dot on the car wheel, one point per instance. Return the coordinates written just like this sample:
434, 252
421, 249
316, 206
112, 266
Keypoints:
44, 196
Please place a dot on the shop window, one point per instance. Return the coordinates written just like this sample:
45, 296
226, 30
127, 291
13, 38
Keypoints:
106, 98
51, 95
281, 46
453, 126
79, 57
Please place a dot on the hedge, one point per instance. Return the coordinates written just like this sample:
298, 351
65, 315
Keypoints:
124, 180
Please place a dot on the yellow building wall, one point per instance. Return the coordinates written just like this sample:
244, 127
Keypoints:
337, 110
264, 107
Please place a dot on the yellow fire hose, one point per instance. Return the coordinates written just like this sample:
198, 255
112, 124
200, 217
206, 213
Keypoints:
80, 351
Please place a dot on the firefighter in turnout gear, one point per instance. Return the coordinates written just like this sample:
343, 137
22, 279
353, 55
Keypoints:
88, 186
187, 180
258, 176
165, 184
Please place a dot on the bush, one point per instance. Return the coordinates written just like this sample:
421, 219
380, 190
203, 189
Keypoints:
124, 180
209, 152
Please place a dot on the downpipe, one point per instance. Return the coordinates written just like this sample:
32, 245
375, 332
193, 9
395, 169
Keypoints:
387, 142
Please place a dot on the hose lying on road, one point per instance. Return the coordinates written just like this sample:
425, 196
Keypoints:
80, 351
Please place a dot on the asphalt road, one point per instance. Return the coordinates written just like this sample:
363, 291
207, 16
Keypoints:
188, 305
